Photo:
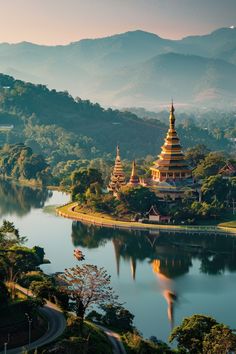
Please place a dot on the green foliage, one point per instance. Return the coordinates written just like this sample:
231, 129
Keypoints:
9, 235
210, 165
196, 154
17, 260
215, 188
26, 279
43, 289
191, 333
138, 199
220, 340
86, 181
19, 162
47, 289
139, 345
61, 127
117, 316
93, 341
202, 334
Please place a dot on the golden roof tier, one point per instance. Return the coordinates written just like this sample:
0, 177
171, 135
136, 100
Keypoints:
117, 179
171, 164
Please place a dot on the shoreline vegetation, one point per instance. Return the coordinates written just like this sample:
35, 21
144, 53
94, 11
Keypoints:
34, 184
72, 211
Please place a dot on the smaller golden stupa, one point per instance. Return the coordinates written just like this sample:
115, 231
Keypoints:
134, 178
117, 179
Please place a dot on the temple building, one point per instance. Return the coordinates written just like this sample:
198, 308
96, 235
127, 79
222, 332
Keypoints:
171, 164
117, 179
228, 170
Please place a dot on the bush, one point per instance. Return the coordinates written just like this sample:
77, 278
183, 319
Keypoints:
28, 278
137, 344
117, 316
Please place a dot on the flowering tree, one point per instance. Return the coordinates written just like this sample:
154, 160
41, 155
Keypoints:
86, 286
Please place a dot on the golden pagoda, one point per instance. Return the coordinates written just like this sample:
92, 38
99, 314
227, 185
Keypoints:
117, 179
171, 164
134, 179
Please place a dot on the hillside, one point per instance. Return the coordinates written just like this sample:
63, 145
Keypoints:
55, 124
188, 78
105, 70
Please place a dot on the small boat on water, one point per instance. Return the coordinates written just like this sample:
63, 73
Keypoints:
79, 255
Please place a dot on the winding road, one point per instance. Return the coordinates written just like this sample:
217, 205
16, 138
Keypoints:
114, 338
56, 325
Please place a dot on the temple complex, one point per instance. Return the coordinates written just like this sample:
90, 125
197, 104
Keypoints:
117, 179
170, 177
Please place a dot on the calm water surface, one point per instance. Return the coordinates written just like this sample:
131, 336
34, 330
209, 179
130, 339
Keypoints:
162, 277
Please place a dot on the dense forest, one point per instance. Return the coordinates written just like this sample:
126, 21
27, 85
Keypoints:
63, 128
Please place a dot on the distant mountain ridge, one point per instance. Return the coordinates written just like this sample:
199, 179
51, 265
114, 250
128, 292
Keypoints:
133, 68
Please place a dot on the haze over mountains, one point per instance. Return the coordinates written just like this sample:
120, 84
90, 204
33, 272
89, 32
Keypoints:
133, 69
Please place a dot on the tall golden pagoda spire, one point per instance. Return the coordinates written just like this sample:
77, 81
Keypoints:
117, 179
171, 164
134, 179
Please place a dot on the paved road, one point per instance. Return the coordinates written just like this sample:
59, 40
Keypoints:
56, 325
118, 347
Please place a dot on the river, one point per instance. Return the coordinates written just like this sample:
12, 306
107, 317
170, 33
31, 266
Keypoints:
161, 277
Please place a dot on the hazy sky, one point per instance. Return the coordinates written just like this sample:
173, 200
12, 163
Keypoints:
64, 21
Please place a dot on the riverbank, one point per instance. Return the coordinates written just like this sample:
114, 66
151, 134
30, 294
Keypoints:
34, 184
72, 211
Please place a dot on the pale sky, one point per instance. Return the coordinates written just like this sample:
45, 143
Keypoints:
65, 21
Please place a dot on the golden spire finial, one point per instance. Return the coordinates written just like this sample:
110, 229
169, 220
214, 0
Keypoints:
133, 173
117, 151
172, 115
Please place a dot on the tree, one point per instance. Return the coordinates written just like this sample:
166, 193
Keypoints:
83, 179
215, 188
191, 333
43, 289
47, 290
138, 199
220, 340
117, 316
210, 165
87, 285
196, 154
17, 260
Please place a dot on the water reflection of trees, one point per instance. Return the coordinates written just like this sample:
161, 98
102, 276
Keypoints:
170, 255
19, 200
175, 252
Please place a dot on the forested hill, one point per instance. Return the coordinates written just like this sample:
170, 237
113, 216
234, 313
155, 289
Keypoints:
58, 125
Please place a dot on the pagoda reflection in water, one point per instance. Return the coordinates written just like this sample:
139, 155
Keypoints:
169, 255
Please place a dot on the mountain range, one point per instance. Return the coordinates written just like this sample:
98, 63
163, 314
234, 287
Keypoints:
133, 69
